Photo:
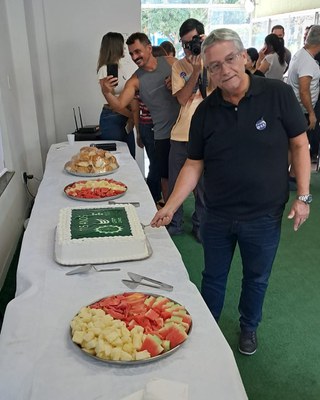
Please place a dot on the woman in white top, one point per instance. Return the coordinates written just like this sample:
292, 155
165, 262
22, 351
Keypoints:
271, 58
113, 125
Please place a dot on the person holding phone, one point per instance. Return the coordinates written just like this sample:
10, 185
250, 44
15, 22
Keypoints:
271, 61
115, 125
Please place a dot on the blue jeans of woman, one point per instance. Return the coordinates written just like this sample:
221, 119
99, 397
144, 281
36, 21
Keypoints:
112, 127
258, 241
153, 178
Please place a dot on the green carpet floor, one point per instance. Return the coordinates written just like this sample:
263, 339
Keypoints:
287, 362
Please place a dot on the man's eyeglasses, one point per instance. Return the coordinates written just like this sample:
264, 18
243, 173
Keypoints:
216, 67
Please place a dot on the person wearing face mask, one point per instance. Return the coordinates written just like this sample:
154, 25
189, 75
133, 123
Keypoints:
239, 139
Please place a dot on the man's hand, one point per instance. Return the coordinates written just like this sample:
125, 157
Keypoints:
139, 141
195, 61
312, 121
162, 217
168, 83
108, 84
299, 213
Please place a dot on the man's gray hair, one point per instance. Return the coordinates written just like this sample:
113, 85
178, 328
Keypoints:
313, 37
221, 35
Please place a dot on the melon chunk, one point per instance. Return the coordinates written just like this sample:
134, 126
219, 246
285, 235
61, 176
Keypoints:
142, 355
152, 345
176, 336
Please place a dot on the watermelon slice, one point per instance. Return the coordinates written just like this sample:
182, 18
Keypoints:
152, 345
176, 336
152, 314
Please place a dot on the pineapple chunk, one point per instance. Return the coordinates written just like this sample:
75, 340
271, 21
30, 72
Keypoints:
115, 354
88, 336
117, 342
128, 347
91, 344
137, 341
100, 347
124, 356
78, 337
142, 355
111, 336
137, 329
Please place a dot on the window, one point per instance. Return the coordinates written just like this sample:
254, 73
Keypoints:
294, 25
161, 20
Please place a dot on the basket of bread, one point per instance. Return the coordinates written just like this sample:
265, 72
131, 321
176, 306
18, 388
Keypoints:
91, 161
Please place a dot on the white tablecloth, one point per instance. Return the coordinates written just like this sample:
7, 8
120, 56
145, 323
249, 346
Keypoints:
38, 361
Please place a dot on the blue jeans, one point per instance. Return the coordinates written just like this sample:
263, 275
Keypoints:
112, 127
177, 157
258, 242
153, 178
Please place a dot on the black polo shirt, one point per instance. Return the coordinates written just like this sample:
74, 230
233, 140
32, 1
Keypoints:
245, 148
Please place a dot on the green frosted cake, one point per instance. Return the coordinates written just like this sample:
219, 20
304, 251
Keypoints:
99, 235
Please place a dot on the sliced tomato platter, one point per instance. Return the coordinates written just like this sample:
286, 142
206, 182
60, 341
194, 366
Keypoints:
131, 328
95, 190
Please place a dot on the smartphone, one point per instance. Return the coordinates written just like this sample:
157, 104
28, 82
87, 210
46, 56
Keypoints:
112, 69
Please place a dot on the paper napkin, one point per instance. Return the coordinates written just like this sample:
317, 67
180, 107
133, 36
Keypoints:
161, 389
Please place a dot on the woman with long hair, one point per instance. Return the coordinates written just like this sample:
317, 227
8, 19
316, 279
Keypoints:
271, 59
114, 125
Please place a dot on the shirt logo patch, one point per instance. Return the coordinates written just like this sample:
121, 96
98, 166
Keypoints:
261, 124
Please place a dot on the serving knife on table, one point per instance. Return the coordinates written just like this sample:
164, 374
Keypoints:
134, 203
137, 279
87, 267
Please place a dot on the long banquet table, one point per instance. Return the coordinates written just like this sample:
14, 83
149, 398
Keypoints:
37, 357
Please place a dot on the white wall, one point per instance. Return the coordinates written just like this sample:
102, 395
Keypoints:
73, 52
48, 52
15, 86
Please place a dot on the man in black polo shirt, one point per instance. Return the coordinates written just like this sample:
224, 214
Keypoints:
239, 137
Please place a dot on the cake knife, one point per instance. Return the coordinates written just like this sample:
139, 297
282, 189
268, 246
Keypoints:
138, 278
134, 203
85, 268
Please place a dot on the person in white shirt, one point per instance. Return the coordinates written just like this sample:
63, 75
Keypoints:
303, 76
115, 125
271, 61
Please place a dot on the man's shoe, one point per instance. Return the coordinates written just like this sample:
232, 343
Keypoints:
248, 342
174, 230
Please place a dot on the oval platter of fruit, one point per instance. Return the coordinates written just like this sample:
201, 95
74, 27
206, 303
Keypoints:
95, 190
131, 328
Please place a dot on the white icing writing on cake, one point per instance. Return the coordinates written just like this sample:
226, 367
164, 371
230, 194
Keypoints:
108, 229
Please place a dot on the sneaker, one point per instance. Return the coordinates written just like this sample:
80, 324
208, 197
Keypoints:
174, 230
248, 342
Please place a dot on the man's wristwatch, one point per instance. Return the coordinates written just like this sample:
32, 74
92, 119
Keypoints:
306, 198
